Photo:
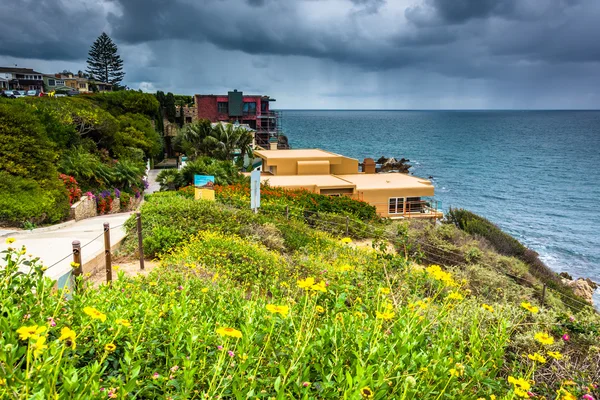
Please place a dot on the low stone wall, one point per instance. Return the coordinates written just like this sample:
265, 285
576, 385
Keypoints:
116, 206
84, 208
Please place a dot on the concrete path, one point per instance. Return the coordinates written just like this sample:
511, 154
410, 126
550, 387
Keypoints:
52, 245
153, 185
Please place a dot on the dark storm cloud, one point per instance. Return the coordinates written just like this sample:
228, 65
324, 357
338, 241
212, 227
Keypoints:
444, 35
48, 29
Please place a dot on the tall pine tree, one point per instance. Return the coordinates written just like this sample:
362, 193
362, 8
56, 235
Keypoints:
104, 63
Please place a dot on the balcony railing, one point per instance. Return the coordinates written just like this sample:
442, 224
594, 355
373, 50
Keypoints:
426, 208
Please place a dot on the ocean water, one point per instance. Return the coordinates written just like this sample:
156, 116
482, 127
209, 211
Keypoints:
536, 174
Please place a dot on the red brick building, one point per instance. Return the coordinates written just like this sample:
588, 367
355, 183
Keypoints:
252, 110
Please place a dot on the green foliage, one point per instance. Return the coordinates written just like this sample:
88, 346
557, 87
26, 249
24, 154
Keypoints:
136, 132
221, 141
127, 174
87, 168
25, 149
170, 110
127, 102
104, 62
26, 200
505, 244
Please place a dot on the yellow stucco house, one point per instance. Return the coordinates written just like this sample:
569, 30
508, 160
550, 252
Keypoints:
395, 195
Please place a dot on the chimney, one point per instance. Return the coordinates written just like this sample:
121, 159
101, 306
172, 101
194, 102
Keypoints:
273, 141
369, 166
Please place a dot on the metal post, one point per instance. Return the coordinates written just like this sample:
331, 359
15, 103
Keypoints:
140, 240
347, 232
543, 293
107, 256
77, 271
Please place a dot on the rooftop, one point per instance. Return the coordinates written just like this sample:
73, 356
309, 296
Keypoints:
305, 181
19, 70
299, 154
385, 181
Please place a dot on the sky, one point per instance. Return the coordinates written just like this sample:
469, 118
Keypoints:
328, 54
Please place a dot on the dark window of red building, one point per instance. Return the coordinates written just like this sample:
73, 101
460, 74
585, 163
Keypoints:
263, 106
223, 107
250, 108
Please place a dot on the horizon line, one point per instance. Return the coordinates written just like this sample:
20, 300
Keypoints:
436, 109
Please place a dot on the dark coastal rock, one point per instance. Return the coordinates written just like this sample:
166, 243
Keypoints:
393, 165
565, 275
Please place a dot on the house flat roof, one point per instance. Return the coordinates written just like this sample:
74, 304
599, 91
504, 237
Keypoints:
386, 181
300, 154
305, 181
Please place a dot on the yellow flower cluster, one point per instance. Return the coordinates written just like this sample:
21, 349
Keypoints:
229, 332
537, 357
436, 272
95, 314
455, 296
68, 334
520, 386
487, 308
309, 284
34, 333
283, 310
458, 370
544, 338
385, 315
530, 308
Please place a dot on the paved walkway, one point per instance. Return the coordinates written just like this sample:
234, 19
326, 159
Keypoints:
153, 185
52, 245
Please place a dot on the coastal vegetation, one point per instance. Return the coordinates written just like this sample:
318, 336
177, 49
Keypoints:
266, 305
101, 141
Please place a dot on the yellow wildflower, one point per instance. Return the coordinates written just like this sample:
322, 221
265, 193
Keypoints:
386, 315
75, 265
564, 394
306, 283
366, 392
555, 354
530, 308
519, 383
283, 310
436, 272
68, 334
39, 345
10, 240
319, 287
537, 357
124, 322
384, 290
229, 332
487, 307
455, 296
320, 309
544, 338
95, 314
346, 240
204, 290
569, 383
110, 347
26, 332
521, 393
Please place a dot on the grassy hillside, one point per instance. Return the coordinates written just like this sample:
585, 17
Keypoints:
267, 306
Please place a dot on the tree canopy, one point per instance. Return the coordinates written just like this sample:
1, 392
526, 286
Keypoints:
104, 62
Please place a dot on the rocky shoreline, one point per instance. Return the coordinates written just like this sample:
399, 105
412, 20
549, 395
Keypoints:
583, 288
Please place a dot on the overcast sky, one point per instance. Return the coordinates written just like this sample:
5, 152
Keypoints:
382, 54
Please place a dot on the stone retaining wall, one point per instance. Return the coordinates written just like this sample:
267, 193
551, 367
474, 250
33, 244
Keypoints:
84, 208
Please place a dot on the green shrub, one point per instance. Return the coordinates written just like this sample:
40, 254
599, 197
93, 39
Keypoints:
25, 200
25, 149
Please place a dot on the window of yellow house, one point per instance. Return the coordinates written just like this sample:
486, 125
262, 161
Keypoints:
396, 205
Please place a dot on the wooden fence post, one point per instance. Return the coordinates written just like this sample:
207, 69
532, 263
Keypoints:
140, 239
77, 271
107, 256
287, 212
543, 293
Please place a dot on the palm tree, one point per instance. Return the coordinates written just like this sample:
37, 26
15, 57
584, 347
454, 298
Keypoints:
194, 138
